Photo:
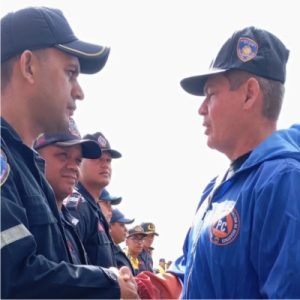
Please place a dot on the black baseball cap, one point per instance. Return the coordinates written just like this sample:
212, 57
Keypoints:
106, 196
118, 216
70, 137
36, 28
252, 50
103, 143
149, 228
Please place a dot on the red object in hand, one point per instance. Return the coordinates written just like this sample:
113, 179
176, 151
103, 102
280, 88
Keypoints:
158, 286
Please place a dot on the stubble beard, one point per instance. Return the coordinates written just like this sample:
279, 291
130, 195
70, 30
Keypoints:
57, 126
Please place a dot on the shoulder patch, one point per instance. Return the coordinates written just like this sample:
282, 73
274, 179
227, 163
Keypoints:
4, 167
74, 200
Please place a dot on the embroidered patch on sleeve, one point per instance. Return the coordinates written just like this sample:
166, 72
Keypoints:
4, 167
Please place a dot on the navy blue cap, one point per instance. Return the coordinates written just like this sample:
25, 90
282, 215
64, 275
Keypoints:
35, 28
70, 137
104, 144
106, 196
252, 50
119, 217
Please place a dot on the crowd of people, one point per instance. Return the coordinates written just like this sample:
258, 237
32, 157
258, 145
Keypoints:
61, 232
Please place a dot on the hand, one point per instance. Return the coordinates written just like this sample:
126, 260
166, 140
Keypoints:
127, 284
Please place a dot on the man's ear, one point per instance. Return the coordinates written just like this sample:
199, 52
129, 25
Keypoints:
26, 64
252, 92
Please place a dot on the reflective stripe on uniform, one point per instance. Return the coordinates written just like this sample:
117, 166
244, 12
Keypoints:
13, 234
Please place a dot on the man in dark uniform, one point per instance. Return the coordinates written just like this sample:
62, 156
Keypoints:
146, 255
118, 232
106, 202
40, 61
95, 174
63, 153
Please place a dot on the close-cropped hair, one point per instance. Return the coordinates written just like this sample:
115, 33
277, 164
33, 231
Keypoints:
6, 72
7, 67
272, 91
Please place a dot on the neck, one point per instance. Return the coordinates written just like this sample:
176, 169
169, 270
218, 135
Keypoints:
19, 118
134, 255
93, 189
59, 201
59, 204
251, 139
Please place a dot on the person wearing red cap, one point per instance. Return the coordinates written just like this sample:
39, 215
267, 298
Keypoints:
41, 59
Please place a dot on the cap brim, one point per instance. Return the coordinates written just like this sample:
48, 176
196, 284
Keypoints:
92, 58
151, 232
137, 233
195, 85
113, 153
90, 149
113, 200
116, 201
125, 221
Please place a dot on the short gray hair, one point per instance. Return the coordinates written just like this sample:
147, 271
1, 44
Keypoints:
272, 91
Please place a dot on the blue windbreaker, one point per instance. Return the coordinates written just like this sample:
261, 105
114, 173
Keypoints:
245, 243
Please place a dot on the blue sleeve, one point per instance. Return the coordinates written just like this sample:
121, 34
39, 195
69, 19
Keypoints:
178, 266
275, 249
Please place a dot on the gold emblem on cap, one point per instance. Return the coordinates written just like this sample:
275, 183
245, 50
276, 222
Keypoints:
246, 49
151, 227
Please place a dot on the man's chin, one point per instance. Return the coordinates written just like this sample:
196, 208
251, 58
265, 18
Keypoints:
210, 143
57, 126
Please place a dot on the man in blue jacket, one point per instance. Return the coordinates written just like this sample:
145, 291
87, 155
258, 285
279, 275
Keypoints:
244, 240
41, 59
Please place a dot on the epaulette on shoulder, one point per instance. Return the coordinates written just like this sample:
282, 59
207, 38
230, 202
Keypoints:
75, 199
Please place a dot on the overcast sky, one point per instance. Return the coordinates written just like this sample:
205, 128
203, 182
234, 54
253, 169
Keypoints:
137, 103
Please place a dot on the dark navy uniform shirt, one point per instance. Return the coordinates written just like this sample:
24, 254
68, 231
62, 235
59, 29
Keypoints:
74, 243
92, 227
147, 260
122, 259
35, 262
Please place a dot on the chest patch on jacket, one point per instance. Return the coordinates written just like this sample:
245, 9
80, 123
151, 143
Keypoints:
225, 228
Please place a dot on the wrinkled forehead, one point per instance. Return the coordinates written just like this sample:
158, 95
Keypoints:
66, 148
214, 81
